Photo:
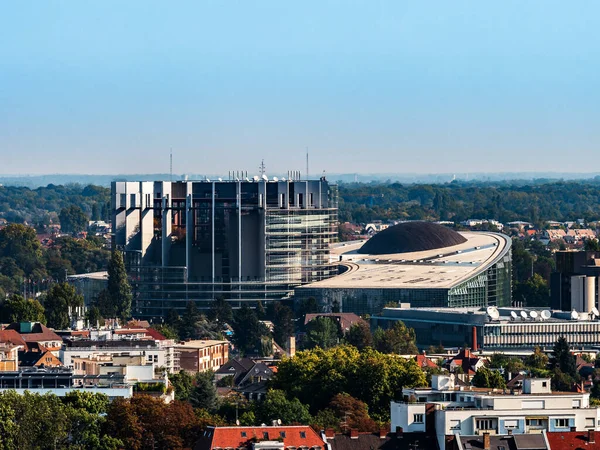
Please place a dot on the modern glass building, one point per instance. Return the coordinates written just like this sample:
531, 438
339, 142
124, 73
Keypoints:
243, 241
421, 263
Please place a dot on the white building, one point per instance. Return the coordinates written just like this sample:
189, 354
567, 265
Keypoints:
473, 411
85, 349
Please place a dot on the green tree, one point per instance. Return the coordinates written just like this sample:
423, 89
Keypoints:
204, 393
247, 330
60, 303
537, 360
220, 311
322, 332
191, 316
486, 378
398, 339
591, 245
72, 219
283, 321
563, 358
359, 335
353, 412
93, 316
183, 384
17, 309
277, 406
118, 290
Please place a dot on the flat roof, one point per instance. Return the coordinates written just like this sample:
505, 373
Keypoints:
440, 268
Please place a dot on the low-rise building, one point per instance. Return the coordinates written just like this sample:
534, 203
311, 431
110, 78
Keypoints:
9, 357
261, 438
202, 355
451, 410
36, 336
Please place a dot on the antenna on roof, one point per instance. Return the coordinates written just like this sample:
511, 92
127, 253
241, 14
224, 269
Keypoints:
171, 165
262, 167
307, 163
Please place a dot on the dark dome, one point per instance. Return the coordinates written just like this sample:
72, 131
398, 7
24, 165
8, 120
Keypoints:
411, 237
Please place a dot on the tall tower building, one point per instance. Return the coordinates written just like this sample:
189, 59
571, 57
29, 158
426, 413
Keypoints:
243, 241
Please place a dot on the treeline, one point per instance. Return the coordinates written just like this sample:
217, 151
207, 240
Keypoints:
82, 420
27, 267
458, 201
41, 206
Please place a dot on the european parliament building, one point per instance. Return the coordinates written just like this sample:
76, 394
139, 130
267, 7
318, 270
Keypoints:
241, 240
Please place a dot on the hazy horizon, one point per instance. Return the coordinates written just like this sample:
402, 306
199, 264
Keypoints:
375, 87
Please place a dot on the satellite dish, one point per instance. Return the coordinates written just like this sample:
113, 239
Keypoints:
595, 311
546, 314
514, 315
524, 315
533, 314
247, 179
278, 421
255, 178
283, 179
275, 179
574, 315
493, 313
265, 178
220, 179
208, 179
237, 179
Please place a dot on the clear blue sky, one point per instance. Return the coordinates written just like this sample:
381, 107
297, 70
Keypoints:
373, 86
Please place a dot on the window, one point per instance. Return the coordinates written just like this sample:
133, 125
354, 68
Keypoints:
511, 423
561, 423
544, 384
244, 434
533, 422
589, 422
484, 424
303, 434
266, 435
576, 404
418, 418
282, 434
455, 424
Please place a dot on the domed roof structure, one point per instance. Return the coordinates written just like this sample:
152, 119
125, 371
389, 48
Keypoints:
411, 237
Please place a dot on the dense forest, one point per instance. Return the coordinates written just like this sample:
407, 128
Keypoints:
42, 206
458, 201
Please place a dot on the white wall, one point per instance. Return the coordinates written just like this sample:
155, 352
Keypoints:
402, 415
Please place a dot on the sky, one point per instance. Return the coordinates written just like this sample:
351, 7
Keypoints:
105, 87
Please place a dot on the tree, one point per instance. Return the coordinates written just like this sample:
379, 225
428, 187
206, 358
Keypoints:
17, 309
277, 406
72, 219
220, 311
486, 378
322, 332
534, 291
60, 303
316, 376
119, 291
353, 412
359, 335
537, 360
187, 328
247, 330
563, 358
204, 393
591, 245
183, 384
283, 321
398, 339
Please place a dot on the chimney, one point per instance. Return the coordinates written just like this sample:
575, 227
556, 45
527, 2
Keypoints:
382, 433
591, 436
291, 346
353, 433
486, 441
573, 429
474, 339
330, 433
509, 431
399, 432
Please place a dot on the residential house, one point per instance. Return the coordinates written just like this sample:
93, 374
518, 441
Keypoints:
465, 362
424, 362
354, 440
344, 320
451, 410
37, 335
260, 438
9, 357
575, 236
39, 359
487, 441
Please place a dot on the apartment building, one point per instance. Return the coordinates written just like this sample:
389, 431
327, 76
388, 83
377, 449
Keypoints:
199, 356
451, 410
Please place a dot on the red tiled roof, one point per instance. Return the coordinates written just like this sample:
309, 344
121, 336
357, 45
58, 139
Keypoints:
12, 337
572, 439
155, 334
424, 361
41, 334
232, 437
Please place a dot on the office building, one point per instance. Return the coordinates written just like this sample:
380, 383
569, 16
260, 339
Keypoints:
493, 329
241, 240
421, 263
574, 284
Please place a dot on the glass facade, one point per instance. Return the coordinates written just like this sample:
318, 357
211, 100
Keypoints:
243, 241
